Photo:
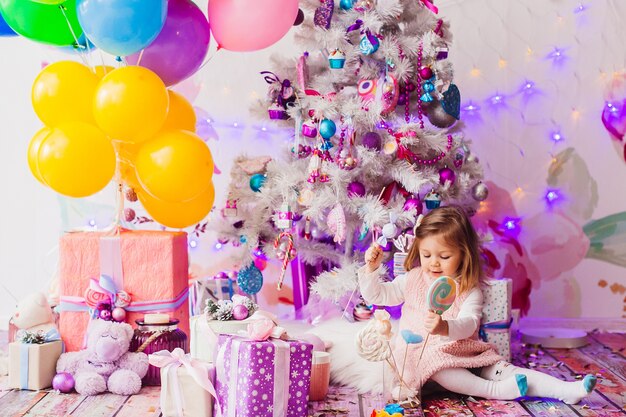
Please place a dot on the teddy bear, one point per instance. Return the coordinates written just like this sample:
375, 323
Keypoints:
106, 363
34, 314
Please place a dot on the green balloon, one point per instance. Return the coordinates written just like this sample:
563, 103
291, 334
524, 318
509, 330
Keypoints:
42, 21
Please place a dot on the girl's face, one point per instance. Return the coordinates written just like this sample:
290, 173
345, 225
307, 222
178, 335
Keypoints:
439, 259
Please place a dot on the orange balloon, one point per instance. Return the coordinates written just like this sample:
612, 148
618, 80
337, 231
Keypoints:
181, 115
76, 159
131, 104
102, 70
33, 150
178, 215
63, 92
175, 166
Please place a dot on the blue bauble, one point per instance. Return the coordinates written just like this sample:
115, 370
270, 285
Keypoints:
346, 4
327, 128
250, 279
257, 181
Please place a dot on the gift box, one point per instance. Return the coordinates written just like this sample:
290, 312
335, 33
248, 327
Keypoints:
496, 323
209, 289
149, 270
33, 365
204, 333
262, 379
186, 384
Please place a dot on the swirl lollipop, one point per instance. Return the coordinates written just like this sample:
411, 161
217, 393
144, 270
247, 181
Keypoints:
441, 295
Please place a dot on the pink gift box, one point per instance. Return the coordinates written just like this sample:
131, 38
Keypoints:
262, 379
154, 272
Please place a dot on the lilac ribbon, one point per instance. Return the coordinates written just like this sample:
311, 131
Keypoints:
170, 362
356, 25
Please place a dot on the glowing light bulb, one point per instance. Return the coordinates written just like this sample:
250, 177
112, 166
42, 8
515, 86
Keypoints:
92, 222
556, 136
192, 243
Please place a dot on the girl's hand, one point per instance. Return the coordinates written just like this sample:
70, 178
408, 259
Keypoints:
434, 324
373, 257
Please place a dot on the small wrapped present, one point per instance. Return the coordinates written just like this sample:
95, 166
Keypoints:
262, 378
209, 288
33, 359
137, 271
186, 384
204, 332
496, 324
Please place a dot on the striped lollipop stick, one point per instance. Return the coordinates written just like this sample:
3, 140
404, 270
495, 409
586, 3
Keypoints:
288, 257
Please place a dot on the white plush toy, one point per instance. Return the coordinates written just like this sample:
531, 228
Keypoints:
33, 313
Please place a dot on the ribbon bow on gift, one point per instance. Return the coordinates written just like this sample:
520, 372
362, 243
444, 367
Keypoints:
494, 326
105, 289
171, 361
24, 336
262, 329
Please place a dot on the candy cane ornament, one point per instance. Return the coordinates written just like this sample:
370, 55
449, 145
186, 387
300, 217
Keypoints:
289, 255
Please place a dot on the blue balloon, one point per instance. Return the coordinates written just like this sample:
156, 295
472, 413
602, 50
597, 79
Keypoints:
122, 27
5, 30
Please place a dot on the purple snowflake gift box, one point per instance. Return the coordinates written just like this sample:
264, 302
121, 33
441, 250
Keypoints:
262, 379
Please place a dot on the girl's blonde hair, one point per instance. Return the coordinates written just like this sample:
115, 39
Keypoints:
452, 224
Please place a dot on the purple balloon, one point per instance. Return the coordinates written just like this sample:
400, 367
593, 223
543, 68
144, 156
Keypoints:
181, 46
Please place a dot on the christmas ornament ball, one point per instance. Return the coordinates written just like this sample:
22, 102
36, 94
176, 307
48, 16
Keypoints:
372, 140
257, 181
327, 128
480, 192
118, 314
446, 174
240, 312
105, 314
64, 382
438, 116
250, 279
413, 203
355, 188
425, 73
345, 4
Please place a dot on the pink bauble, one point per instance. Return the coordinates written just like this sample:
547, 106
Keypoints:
446, 174
240, 312
64, 382
355, 188
425, 73
118, 314
105, 314
413, 203
260, 263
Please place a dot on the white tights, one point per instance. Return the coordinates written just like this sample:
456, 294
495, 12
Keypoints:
499, 382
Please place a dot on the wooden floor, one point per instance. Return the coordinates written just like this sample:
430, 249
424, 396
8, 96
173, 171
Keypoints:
603, 356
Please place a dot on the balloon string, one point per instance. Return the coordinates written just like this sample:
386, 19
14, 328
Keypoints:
140, 56
209, 59
77, 45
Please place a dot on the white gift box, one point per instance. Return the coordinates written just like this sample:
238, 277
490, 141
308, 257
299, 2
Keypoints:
496, 323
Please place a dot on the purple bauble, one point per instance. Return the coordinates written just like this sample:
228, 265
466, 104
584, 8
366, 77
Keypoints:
355, 188
64, 382
105, 314
413, 203
372, 140
446, 174
118, 314
425, 73
240, 312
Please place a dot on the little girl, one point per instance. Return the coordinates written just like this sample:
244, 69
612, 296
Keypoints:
446, 245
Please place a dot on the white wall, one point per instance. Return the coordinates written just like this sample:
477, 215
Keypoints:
492, 38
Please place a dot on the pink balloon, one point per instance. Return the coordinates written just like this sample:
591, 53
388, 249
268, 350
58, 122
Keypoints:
181, 46
250, 25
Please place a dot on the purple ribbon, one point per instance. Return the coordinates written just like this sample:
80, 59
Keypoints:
356, 25
430, 6
272, 78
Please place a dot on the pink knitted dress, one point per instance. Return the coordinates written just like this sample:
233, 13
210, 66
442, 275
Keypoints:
440, 353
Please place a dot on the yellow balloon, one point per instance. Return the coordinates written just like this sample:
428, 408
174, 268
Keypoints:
63, 92
76, 159
178, 215
131, 104
175, 166
33, 150
181, 115
102, 70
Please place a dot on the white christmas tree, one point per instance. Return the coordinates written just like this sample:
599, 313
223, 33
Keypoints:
377, 141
